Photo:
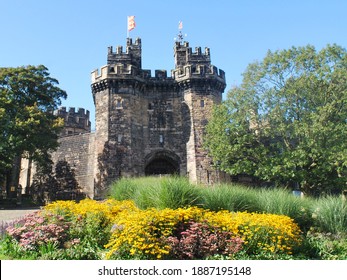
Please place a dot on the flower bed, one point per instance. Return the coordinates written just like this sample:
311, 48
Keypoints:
157, 234
119, 230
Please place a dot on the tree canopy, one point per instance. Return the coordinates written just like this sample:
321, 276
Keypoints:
28, 128
287, 122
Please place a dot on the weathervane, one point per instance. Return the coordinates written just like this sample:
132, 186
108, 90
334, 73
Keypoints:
180, 35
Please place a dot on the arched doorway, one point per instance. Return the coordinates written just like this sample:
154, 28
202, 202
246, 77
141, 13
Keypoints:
162, 163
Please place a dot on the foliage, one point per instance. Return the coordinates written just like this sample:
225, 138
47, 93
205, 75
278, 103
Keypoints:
330, 214
36, 235
150, 233
286, 122
28, 96
63, 230
166, 192
113, 229
325, 246
200, 241
35, 230
260, 232
160, 193
283, 202
230, 197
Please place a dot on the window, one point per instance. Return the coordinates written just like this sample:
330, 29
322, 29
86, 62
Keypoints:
161, 139
119, 104
168, 106
202, 103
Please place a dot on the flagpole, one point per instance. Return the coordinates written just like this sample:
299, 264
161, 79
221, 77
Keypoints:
127, 27
130, 24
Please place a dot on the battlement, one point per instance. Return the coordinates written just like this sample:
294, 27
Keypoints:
75, 121
126, 71
184, 55
199, 71
131, 56
127, 65
72, 111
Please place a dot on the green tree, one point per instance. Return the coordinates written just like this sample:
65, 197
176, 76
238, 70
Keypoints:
28, 128
287, 122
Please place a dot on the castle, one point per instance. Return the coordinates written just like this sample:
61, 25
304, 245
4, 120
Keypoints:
144, 124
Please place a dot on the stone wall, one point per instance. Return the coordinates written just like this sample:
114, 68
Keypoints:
75, 122
145, 125
78, 152
150, 124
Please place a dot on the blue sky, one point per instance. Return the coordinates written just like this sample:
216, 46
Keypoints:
71, 37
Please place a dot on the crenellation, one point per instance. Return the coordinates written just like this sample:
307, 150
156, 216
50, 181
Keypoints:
144, 124
160, 74
119, 50
161, 114
75, 121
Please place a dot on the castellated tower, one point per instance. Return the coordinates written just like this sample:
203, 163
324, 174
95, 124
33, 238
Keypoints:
75, 122
201, 85
153, 124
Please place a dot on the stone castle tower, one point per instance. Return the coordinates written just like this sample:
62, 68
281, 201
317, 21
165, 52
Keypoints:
147, 125
75, 122
144, 124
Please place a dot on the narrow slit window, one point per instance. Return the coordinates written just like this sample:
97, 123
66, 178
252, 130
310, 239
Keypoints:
119, 104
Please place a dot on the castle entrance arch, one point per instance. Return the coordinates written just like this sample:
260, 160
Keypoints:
162, 163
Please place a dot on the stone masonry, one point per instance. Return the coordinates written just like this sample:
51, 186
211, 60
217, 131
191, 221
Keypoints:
144, 124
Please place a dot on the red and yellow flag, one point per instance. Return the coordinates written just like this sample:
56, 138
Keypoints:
131, 23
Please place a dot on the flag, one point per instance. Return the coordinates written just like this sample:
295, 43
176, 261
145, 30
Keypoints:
180, 25
131, 23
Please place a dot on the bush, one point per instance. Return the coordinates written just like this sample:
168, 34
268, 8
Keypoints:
159, 192
64, 230
229, 197
70, 230
330, 214
283, 202
36, 230
175, 192
157, 234
201, 241
325, 246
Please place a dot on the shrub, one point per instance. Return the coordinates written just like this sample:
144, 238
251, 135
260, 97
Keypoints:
229, 197
271, 233
201, 241
35, 230
64, 230
124, 189
325, 246
283, 202
91, 224
151, 233
177, 192
330, 214
158, 192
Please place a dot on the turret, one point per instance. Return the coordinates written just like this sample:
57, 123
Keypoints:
196, 65
75, 122
202, 86
132, 55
